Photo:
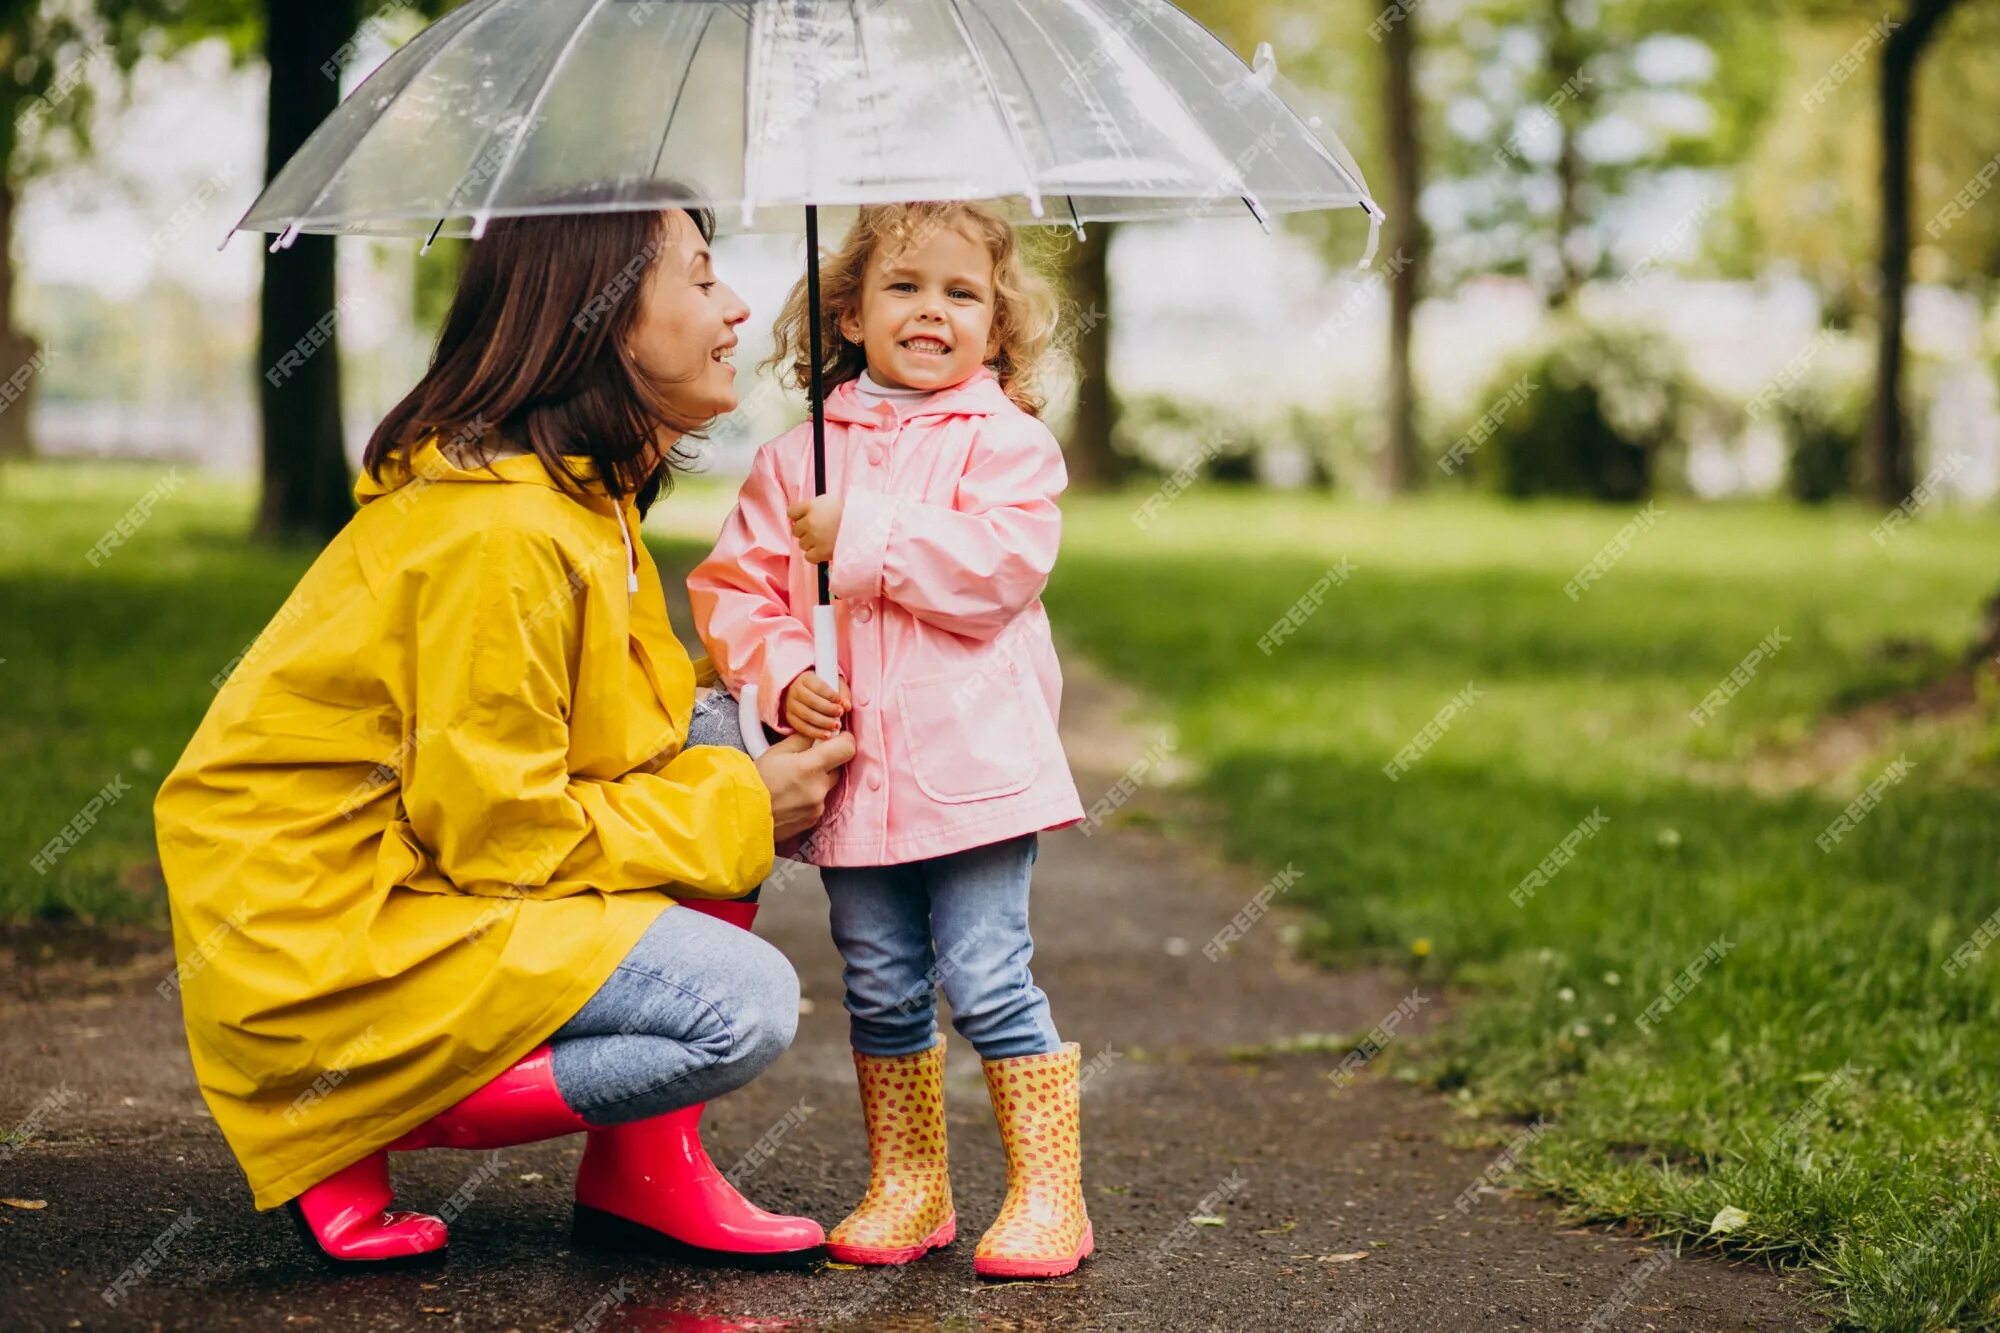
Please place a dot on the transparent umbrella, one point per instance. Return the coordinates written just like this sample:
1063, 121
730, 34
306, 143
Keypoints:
1060, 111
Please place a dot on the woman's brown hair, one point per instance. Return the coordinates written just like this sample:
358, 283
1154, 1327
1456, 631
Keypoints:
533, 350
1024, 305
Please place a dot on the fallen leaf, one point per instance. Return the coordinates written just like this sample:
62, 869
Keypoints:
529, 1177
29, 1204
1347, 1258
1729, 1219
1201, 1220
845, 1268
1277, 1231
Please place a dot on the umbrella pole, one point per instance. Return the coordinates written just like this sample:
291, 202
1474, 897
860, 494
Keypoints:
826, 648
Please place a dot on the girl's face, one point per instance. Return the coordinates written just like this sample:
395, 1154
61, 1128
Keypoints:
926, 316
685, 330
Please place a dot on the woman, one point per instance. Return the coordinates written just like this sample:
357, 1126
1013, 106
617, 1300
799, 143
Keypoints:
422, 852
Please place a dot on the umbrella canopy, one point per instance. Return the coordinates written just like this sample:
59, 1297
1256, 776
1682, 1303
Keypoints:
1062, 111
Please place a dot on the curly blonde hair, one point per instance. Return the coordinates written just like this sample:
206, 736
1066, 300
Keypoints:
1025, 314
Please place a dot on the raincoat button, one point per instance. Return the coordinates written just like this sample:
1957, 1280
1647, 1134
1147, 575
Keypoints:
874, 782
878, 456
864, 614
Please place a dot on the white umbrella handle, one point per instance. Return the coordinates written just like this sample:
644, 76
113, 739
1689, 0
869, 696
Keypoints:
826, 663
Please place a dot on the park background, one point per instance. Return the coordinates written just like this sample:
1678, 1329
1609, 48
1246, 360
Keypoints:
1596, 599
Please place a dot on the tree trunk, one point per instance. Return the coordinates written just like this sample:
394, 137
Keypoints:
1402, 463
17, 349
1891, 473
306, 481
1566, 56
1093, 462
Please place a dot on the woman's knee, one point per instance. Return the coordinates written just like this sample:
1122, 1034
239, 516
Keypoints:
762, 1010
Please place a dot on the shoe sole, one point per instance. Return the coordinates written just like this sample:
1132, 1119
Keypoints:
901, 1254
1017, 1268
426, 1259
597, 1229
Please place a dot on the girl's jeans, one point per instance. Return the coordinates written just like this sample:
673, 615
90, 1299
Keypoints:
698, 1008
957, 921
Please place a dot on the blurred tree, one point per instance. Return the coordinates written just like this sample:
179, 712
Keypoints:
306, 485
1402, 464
1093, 462
58, 58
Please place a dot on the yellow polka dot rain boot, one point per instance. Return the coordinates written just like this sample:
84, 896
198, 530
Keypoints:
907, 1211
1042, 1230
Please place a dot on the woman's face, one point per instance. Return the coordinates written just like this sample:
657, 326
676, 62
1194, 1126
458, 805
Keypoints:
685, 331
926, 317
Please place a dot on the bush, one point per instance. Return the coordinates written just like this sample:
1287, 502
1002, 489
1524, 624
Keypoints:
1824, 425
1586, 413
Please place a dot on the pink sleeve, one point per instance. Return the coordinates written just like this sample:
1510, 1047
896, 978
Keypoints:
742, 606
971, 567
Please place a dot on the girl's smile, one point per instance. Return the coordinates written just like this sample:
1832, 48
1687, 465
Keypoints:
926, 317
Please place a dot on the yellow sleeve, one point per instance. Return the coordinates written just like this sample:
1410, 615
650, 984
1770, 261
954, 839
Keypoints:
487, 786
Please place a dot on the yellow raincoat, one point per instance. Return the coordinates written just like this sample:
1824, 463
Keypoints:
436, 802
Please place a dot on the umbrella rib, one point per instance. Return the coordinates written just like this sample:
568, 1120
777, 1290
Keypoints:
679, 92
470, 20
1007, 119
528, 121
1141, 14
1028, 87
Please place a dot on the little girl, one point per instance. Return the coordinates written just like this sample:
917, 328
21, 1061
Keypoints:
941, 526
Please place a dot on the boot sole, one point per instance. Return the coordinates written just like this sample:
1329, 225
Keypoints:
1017, 1268
901, 1254
594, 1228
427, 1259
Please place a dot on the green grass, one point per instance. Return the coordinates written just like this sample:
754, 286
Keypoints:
1832, 960
1884, 1180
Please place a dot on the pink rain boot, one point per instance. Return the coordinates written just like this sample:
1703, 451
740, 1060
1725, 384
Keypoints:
650, 1185
520, 1106
346, 1218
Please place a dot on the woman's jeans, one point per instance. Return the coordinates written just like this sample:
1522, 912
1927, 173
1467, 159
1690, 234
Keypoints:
957, 921
698, 1008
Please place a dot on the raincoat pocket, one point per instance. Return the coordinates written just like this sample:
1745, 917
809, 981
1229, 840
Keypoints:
969, 735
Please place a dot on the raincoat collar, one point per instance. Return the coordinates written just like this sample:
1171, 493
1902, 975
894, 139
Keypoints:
428, 462
979, 396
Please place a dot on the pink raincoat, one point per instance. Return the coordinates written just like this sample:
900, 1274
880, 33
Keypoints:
949, 530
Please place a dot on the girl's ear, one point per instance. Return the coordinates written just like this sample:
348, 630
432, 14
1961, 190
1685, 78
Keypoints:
850, 326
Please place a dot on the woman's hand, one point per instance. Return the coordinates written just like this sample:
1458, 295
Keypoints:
814, 707
816, 524
799, 774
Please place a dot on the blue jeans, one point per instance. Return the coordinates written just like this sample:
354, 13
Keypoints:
957, 921
698, 1008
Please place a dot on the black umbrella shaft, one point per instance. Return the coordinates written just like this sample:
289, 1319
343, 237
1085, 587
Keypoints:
818, 380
